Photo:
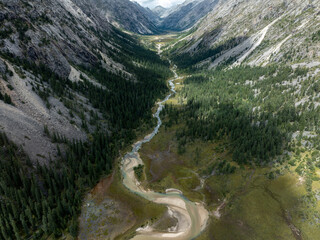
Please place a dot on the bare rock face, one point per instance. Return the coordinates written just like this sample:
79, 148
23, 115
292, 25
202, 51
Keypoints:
61, 38
125, 14
55, 34
3, 67
63, 32
159, 10
255, 32
186, 14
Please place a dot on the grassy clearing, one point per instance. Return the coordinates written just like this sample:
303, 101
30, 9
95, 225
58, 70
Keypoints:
256, 204
261, 202
151, 42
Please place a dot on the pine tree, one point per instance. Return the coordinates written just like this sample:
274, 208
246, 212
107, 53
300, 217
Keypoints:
23, 222
14, 227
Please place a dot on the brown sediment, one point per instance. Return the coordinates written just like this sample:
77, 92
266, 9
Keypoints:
160, 162
104, 216
102, 188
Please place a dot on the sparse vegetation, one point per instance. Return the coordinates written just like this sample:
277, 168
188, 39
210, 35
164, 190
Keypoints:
139, 171
6, 98
316, 36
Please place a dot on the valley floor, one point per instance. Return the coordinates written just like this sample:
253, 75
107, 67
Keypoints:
247, 202
251, 203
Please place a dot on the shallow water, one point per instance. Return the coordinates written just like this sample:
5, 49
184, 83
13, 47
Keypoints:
191, 217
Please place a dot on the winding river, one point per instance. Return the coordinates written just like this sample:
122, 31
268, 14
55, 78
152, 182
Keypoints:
191, 217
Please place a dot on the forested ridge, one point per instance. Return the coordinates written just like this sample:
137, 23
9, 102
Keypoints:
38, 201
250, 106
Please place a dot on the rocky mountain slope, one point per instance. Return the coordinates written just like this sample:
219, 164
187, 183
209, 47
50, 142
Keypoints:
275, 34
185, 15
74, 90
255, 32
159, 10
125, 14
45, 47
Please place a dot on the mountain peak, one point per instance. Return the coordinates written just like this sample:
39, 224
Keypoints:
159, 10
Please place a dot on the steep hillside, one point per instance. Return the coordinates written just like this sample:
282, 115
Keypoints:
255, 32
59, 41
246, 120
124, 14
185, 15
74, 91
159, 10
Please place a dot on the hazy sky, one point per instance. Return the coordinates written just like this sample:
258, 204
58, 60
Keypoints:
154, 3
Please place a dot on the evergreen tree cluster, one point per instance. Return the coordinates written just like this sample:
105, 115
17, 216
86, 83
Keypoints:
6, 98
316, 36
37, 202
41, 201
250, 106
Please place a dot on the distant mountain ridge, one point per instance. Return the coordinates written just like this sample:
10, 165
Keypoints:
126, 14
131, 16
187, 14
159, 11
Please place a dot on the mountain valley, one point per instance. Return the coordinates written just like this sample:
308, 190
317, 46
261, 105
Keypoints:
198, 121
